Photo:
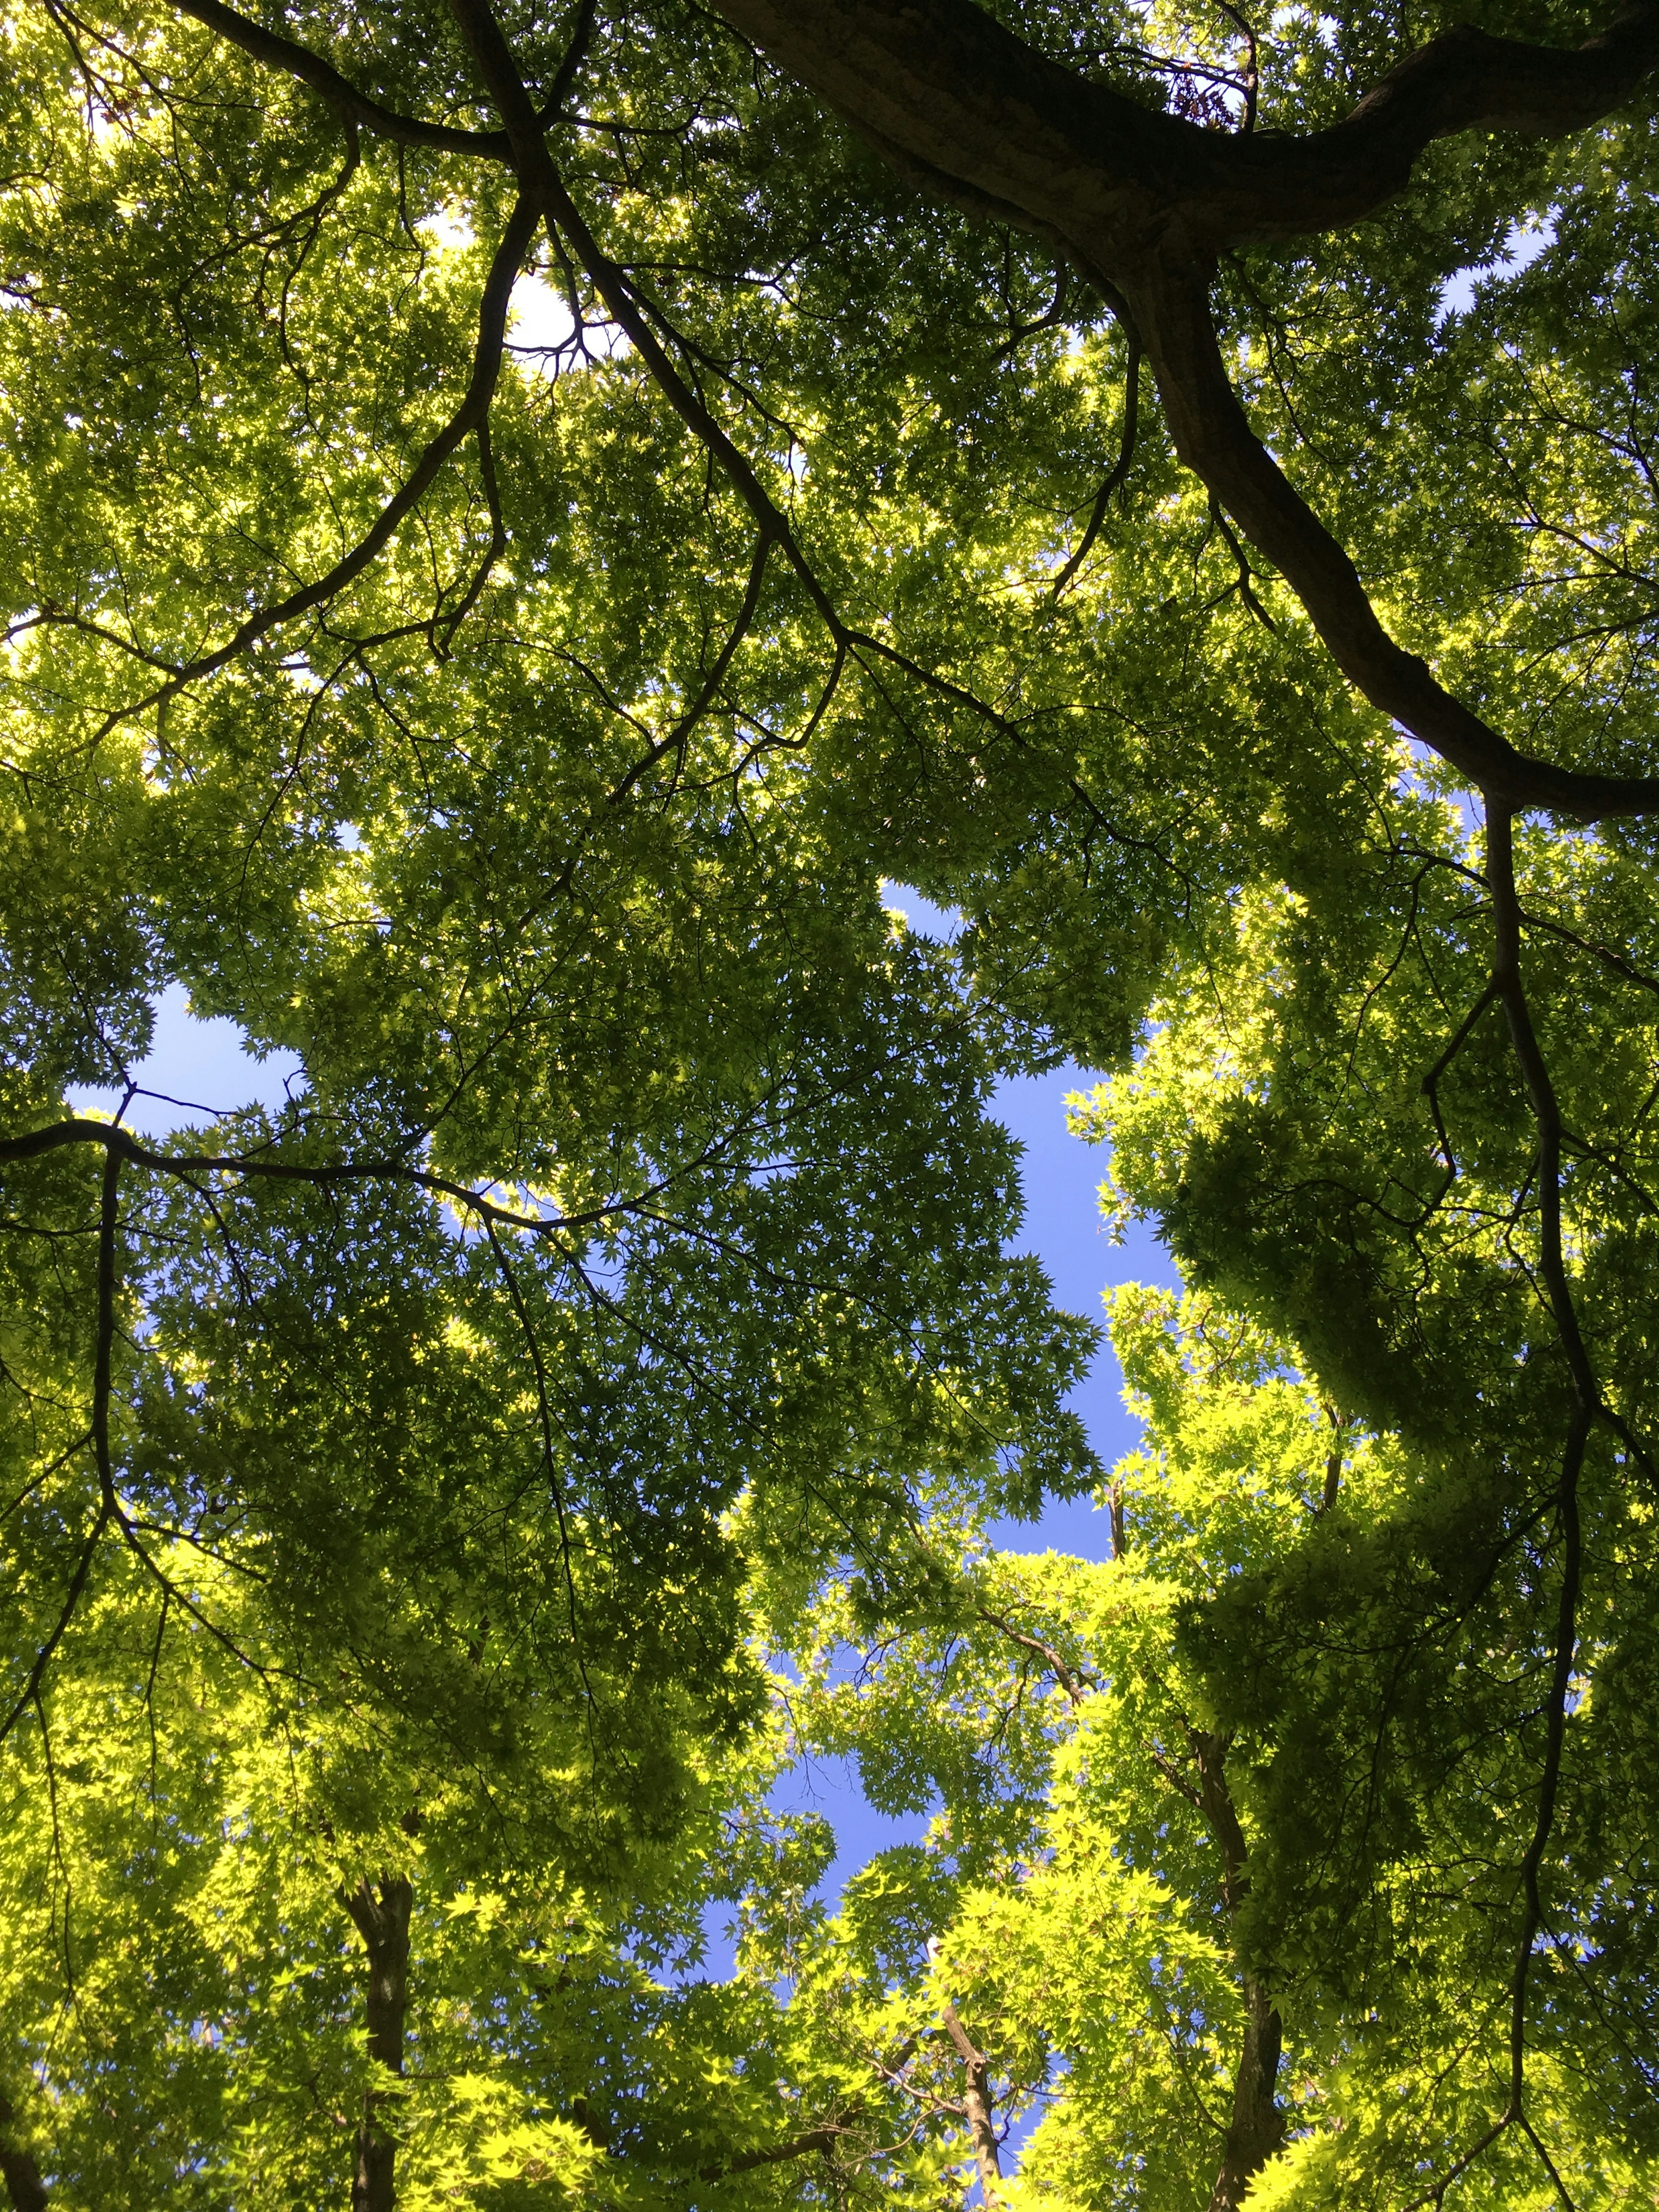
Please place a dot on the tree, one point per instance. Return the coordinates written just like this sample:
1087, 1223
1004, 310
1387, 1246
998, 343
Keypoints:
521, 737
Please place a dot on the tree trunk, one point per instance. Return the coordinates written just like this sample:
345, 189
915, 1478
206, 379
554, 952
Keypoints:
1257, 2127
382, 1924
977, 2107
25, 2190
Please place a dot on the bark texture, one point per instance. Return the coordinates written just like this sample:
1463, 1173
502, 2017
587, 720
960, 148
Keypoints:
1257, 2126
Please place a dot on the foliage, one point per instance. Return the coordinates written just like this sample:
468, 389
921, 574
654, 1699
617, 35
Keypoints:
512, 528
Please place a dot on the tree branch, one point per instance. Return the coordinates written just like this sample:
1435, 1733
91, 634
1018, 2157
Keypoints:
120, 1143
1257, 2126
1119, 469
24, 2189
678, 736
1508, 985
776, 2154
539, 177
382, 1924
956, 93
472, 415
298, 61
977, 2103
1144, 201
1072, 1683
1214, 436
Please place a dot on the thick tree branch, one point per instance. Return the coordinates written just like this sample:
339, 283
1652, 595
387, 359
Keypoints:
957, 93
746, 2161
25, 2190
1214, 436
298, 61
1256, 2127
1143, 202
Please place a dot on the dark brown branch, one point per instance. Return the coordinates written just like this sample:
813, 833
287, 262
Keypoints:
955, 93
1244, 580
25, 2190
1252, 73
1209, 1756
298, 61
109, 1508
1142, 201
439, 630
103, 1357
1072, 1682
1214, 436
1541, 1091
1051, 318
565, 75
120, 1143
1547, 1114
549, 1457
1119, 468
66, 1612
50, 616
821, 2139
472, 415
1566, 1634
382, 1921
678, 736
1333, 1462
1465, 80
1256, 2127
1509, 986
539, 177
1173, 1775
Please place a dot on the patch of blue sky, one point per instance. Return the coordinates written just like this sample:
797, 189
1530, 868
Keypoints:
195, 1073
1519, 249
1470, 810
1063, 1227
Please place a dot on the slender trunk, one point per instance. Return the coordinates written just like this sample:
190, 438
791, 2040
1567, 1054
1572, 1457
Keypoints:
25, 2190
976, 2105
1256, 2127
1119, 1530
382, 1924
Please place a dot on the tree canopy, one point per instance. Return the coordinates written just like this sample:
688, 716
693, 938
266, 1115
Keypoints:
517, 522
